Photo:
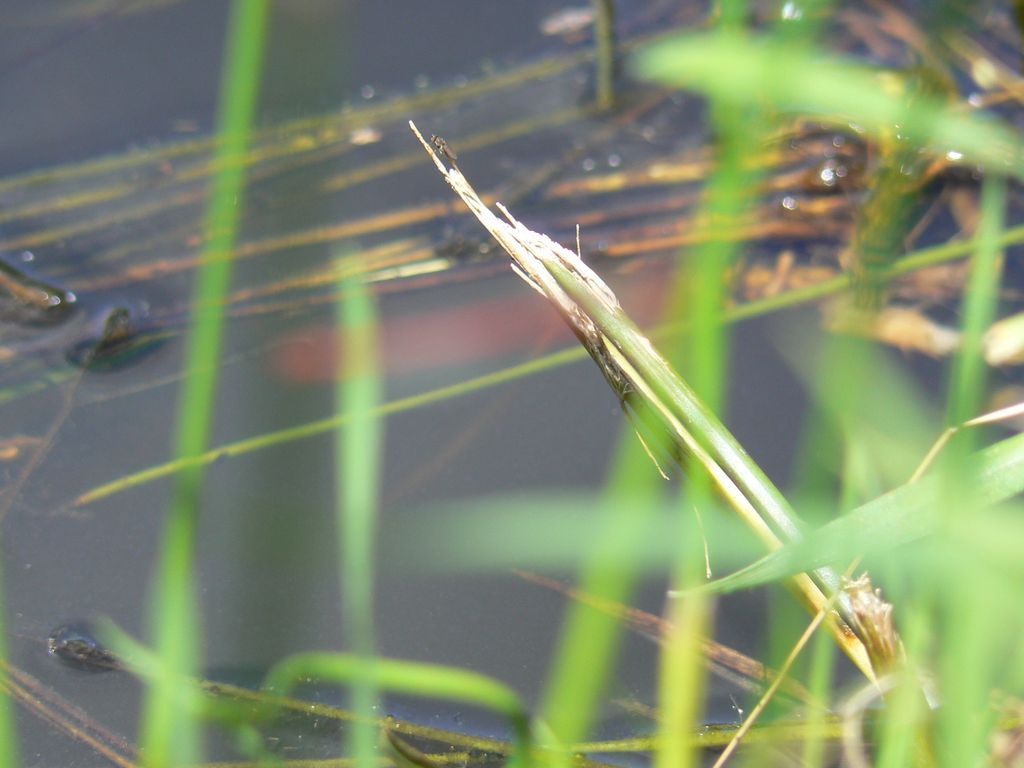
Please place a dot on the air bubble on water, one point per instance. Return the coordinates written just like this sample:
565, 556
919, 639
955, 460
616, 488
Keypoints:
589, 164
789, 203
792, 12
367, 92
27, 256
421, 82
614, 161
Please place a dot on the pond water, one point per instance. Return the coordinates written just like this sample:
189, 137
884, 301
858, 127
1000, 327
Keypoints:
104, 155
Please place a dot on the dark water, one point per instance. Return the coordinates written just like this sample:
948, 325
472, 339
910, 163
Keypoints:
84, 82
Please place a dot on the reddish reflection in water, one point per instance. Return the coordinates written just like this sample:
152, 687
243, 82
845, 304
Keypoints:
506, 326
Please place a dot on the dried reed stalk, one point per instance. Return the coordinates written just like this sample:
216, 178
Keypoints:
649, 387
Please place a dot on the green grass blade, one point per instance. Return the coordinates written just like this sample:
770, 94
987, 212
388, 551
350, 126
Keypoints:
685, 406
8, 733
589, 640
321, 426
700, 297
899, 744
556, 531
169, 735
357, 448
412, 678
901, 516
681, 668
687, 418
746, 69
980, 301
606, 53
241, 708
970, 624
820, 677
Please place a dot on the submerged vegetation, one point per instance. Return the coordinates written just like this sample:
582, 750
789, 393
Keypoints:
862, 158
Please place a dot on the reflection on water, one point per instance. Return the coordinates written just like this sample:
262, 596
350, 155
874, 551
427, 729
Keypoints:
76, 645
121, 338
26, 299
111, 214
